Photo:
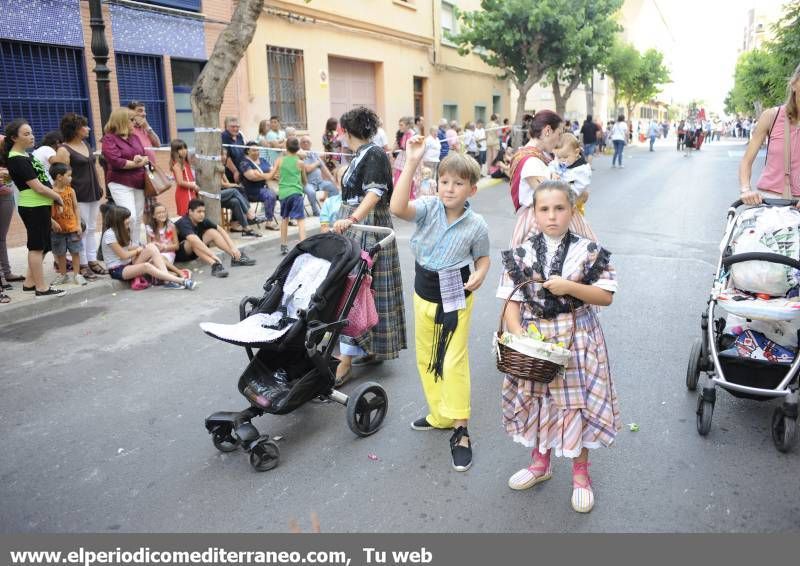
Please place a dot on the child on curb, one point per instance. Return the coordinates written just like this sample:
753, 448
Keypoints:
329, 211
572, 168
68, 238
163, 234
292, 179
448, 237
125, 263
577, 411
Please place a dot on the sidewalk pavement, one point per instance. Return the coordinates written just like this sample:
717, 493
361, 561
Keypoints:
25, 305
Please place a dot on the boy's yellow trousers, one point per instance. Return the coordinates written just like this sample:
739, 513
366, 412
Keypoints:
448, 398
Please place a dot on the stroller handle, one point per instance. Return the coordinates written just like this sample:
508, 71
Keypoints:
770, 202
760, 256
388, 232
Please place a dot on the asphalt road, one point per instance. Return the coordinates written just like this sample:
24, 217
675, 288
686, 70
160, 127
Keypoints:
103, 404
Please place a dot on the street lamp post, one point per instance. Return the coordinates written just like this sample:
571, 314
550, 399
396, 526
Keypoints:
100, 54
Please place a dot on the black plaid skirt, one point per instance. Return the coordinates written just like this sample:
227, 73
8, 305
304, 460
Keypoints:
388, 337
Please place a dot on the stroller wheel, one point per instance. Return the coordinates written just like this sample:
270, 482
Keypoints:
366, 409
223, 441
705, 411
784, 430
693, 369
264, 456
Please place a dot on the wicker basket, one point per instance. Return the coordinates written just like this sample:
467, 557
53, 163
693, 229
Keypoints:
521, 366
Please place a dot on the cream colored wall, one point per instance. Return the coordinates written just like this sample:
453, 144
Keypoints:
396, 65
398, 58
411, 18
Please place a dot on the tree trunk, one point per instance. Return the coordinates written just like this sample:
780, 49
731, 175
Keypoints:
209, 91
561, 101
523, 89
562, 98
589, 86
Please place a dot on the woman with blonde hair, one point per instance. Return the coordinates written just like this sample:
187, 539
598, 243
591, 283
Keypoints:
126, 162
781, 174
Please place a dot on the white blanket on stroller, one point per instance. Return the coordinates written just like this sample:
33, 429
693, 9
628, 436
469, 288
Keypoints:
305, 276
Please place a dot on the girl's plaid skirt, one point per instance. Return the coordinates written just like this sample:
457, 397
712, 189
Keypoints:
388, 337
576, 411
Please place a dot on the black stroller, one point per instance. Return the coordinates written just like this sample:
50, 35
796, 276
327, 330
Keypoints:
289, 334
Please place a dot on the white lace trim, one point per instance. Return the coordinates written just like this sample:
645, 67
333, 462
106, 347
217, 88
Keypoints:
557, 450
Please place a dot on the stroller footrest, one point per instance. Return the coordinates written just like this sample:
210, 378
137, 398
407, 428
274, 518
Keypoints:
253, 331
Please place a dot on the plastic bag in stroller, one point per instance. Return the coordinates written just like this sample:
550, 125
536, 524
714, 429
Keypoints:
735, 351
289, 334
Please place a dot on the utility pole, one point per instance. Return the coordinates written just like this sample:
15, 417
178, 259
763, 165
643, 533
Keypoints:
100, 54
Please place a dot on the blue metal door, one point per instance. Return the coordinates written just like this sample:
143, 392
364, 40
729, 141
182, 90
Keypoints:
41, 83
141, 77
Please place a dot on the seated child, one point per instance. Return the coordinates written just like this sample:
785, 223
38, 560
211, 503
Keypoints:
125, 262
449, 236
162, 233
577, 411
329, 212
68, 239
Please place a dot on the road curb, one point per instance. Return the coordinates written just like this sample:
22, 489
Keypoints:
34, 308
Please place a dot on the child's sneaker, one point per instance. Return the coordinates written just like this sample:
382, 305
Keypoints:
78, 280
172, 285
243, 260
189, 285
218, 270
462, 455
51, 292
284, 249
61, 279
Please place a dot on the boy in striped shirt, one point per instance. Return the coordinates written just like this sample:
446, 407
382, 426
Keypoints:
448, 238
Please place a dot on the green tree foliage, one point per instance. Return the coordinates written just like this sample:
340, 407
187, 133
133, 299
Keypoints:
526, 39
761, 75
586, 45
637, 76
755, 71
620, 66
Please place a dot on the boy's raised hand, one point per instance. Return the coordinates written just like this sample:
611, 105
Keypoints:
415, 149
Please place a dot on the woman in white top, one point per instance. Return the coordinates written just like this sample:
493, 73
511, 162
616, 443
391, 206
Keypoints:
46, 151
619, 133
529, 168
433, 147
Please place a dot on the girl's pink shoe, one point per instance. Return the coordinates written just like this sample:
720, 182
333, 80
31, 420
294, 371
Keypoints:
537, 472
582, 494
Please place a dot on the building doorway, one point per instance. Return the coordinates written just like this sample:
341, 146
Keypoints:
352, 84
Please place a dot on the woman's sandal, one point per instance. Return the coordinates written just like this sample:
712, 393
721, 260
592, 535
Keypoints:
537, 472
4, 299
97, 268
87, 273
582, 494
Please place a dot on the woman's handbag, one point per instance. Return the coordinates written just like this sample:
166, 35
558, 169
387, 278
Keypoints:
526, 358
363, 315
156, 181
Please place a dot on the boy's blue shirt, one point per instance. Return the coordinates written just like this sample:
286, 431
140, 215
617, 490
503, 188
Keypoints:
438, 245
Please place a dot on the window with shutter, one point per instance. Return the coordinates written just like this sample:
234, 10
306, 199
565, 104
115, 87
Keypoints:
287, 86
41, 83
140, 77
